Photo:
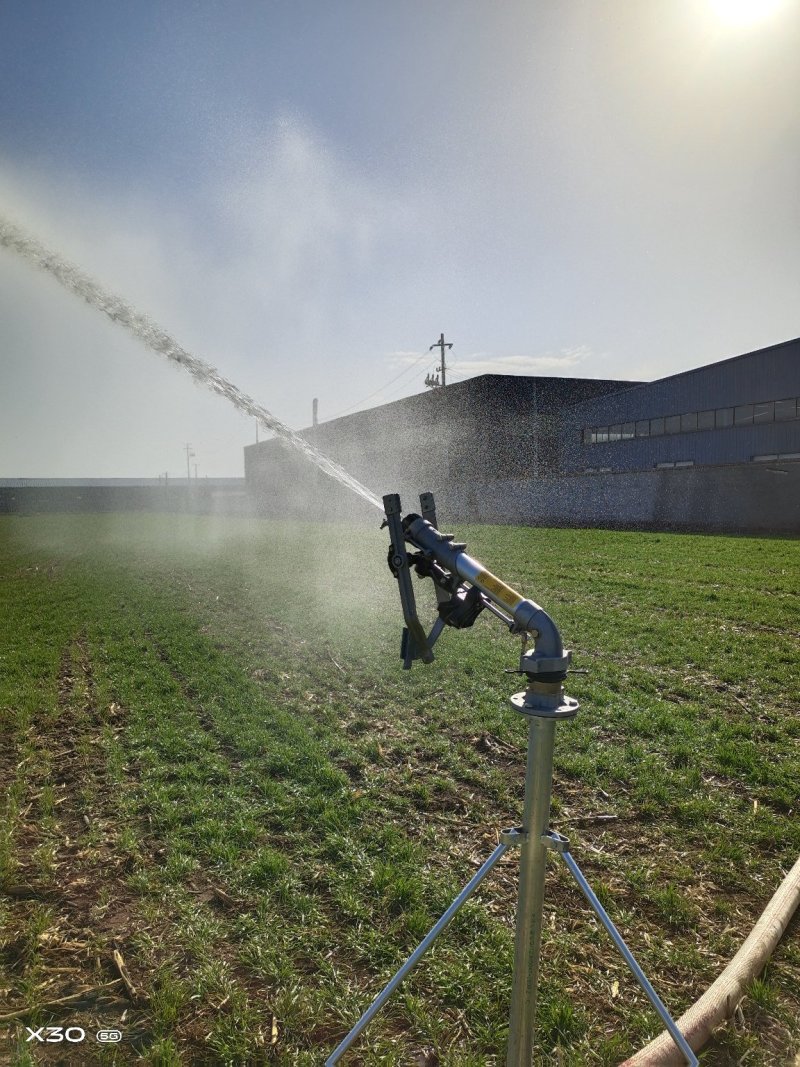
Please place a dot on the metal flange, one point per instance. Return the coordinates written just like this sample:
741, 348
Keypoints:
544, 705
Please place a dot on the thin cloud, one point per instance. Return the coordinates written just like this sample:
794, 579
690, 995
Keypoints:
402, 358
547, 363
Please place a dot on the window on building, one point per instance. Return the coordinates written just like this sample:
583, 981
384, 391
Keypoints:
724, 417
689, 422
743, 415
684, 463
765, 458
785, 409
664, 466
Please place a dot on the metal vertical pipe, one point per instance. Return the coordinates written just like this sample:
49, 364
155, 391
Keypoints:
532, 861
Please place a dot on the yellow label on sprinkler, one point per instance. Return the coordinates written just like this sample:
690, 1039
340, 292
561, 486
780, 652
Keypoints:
508, 597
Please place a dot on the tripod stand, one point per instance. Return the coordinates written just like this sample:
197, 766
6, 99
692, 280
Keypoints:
544, 704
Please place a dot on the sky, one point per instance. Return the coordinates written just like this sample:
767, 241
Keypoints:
306, 194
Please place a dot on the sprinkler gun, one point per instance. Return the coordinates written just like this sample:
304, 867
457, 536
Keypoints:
463, 589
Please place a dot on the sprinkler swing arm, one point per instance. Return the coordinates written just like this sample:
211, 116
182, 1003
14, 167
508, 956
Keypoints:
463, 589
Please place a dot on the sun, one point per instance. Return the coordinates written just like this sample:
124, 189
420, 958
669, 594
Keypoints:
744, 12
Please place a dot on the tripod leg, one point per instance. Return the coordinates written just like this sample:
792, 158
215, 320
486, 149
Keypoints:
416, 955
636, 970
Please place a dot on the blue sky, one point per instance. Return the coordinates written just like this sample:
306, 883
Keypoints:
306, 194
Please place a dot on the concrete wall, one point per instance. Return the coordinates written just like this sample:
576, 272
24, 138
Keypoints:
200, 499
753, 498
739, 498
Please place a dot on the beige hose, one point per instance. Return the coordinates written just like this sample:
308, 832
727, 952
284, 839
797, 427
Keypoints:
719, 1001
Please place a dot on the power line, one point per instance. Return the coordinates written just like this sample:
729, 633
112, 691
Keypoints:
405, 370
395, 392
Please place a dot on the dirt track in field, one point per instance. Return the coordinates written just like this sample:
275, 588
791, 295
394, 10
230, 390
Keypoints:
67, 943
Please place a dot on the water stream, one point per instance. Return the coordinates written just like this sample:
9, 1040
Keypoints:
118, 310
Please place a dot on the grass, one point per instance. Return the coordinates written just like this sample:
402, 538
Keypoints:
215, 767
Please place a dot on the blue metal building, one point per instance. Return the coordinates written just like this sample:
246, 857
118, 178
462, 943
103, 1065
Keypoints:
716, 448
740, 410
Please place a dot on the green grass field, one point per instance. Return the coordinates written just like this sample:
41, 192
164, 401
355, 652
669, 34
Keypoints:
213, 766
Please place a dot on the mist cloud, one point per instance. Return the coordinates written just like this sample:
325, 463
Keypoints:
258, 290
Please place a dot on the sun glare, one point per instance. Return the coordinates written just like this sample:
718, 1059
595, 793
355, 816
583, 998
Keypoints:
744, 12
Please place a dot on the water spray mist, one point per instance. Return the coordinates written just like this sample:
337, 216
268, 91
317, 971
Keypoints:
15, 239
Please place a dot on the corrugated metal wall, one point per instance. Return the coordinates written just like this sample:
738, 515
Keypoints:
769, 374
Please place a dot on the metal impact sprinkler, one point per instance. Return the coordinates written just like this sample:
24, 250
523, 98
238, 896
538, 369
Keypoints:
464, 588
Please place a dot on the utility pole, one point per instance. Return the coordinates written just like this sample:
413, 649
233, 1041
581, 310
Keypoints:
189, 454
442, 344
195, 474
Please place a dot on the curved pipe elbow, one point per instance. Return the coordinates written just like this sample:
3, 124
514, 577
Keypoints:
533, 618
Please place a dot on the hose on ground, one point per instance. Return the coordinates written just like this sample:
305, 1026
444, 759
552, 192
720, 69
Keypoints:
720, 1000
